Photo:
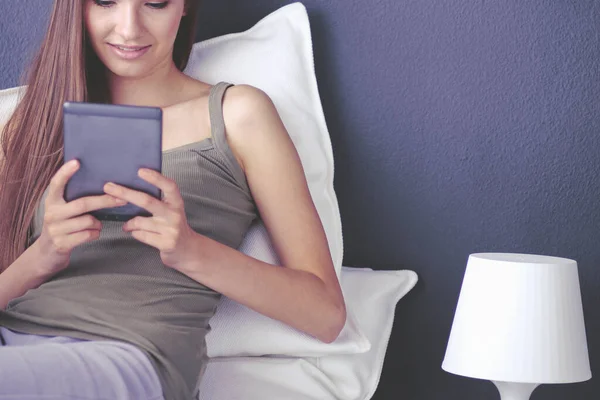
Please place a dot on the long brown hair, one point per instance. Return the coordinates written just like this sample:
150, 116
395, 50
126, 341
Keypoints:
65, 68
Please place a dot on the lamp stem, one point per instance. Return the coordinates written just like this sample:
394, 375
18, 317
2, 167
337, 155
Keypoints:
515, 391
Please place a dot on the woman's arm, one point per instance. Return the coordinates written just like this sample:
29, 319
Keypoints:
296, 297
27, 272
306, 293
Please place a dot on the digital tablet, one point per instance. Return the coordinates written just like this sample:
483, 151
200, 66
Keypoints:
111, 142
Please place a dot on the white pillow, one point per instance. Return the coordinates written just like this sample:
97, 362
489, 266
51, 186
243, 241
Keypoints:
372, 296
8, 102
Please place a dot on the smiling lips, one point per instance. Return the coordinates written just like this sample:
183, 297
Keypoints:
129, 52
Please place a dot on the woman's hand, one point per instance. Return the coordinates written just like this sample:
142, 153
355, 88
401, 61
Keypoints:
65, 225
167, 229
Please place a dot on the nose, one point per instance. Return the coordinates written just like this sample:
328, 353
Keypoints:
128, 24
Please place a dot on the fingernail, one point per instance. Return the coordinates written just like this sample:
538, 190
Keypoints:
73, 163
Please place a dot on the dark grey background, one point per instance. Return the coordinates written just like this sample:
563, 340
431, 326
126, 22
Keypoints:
458, 127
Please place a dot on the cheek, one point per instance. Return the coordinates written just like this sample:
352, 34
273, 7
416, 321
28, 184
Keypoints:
163, 30
93, 25
174, 27
175, 21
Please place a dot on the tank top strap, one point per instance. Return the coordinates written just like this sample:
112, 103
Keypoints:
219, 137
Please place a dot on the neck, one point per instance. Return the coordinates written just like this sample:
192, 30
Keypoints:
154, 90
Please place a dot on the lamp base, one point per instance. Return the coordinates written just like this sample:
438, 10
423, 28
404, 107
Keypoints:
515, 391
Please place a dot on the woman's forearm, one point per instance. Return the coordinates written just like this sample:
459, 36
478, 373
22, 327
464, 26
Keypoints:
27, 272
297, 298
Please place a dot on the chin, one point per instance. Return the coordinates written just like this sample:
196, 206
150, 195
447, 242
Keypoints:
128, 68
127, 71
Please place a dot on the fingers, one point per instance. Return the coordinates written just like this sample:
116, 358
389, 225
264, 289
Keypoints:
56, 188
64, 230
142, 223
150, 238
68, 224
169, 188
68, 234
140, 199
84, 222
83, 205
64, 244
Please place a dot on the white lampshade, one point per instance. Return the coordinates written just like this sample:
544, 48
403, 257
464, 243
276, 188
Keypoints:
519, 318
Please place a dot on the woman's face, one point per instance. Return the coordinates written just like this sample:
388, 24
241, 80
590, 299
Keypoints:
133, 37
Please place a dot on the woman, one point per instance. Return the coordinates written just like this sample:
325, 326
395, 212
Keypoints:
121, 310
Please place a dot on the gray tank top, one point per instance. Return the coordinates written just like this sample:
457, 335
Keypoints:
117, 288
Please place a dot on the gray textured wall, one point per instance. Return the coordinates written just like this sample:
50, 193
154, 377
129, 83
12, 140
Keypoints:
458, 127
22, 26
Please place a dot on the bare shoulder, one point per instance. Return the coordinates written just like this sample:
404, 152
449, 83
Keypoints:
243, 104
250, 118
242, 98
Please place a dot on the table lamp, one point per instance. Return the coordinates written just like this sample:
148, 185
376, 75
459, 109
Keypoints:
519, 323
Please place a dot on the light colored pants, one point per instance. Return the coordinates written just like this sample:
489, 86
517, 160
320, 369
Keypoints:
58, 367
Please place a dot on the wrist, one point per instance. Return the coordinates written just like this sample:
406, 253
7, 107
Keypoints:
48, 262
192, 264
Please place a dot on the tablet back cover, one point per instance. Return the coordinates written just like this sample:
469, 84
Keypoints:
111, 143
